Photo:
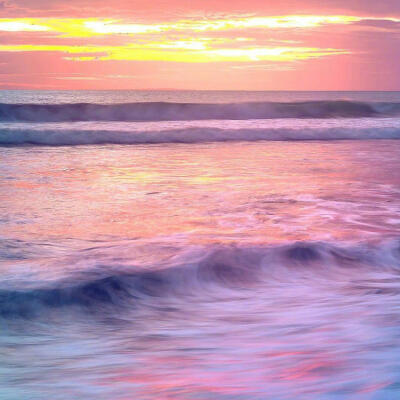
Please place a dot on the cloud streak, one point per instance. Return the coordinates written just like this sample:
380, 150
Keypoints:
184, 48
88, 27
185, 54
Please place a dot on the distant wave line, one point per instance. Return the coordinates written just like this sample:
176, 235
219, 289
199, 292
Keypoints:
164, 111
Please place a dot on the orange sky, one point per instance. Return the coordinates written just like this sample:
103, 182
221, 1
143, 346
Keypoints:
238, 44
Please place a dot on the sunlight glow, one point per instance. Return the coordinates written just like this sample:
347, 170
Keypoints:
21, 25
179, 52
149, 42
90, 27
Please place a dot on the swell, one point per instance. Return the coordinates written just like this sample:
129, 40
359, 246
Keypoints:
163, 111
217, 269
74, 137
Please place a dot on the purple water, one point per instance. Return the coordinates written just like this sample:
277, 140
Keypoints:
258, 259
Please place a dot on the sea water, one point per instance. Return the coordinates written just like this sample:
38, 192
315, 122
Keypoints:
199, 245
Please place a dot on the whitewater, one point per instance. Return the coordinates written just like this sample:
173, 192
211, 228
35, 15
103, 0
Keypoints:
95, 132
199, 245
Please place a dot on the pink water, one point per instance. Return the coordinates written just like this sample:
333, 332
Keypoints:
264, 270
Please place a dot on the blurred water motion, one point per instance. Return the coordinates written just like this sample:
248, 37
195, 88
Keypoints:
218, 271
239, 270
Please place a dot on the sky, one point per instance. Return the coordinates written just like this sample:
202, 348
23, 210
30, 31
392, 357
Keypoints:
200, 44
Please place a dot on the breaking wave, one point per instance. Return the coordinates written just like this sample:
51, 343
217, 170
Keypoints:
74, 137
215, 270
164, 111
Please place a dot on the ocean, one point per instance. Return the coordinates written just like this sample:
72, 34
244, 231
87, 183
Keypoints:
199, 245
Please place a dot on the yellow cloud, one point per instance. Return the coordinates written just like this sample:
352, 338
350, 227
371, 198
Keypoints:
199, 50
52, 48
87, 27
290, 21
176, 53
22, 25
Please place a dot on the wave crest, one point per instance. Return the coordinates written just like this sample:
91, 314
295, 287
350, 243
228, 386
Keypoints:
58, 137
163, 111
216, 270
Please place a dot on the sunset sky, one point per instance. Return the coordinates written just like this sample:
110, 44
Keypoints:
200, 44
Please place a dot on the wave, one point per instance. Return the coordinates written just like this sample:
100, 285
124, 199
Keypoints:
208, 273
74, 137
163, 111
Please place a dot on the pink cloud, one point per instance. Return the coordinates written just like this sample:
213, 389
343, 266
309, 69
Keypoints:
373, 45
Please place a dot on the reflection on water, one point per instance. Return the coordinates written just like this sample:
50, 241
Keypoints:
249, 191
210, 271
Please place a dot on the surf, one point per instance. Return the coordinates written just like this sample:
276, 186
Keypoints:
75, 137
166, 111
205, 273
